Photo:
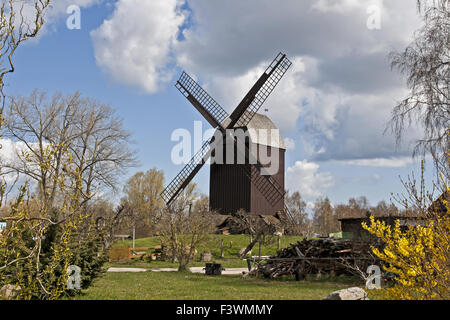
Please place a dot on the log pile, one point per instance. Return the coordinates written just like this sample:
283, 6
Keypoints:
318, 256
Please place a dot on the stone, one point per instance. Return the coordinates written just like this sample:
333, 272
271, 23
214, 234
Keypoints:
9, 292
354, 293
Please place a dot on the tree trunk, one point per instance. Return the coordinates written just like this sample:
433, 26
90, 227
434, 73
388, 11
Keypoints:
250, 246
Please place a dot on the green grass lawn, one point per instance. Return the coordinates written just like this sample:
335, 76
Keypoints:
187, 286
182, 286
226, 263
232, 244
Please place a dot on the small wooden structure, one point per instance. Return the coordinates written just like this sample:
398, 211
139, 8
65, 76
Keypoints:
205, 256
213, 269
122, 236
140, 252
352, 226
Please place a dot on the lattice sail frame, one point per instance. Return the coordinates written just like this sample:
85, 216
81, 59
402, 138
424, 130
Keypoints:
176, 185
188, 87
275, 72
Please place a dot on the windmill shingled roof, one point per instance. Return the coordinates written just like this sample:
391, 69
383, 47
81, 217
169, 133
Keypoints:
258, 122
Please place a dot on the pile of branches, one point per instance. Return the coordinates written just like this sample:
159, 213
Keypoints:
333, 256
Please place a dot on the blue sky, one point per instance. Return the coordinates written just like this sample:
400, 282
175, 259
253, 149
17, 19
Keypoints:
331, 106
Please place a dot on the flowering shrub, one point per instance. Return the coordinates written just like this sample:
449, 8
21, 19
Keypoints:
418, 256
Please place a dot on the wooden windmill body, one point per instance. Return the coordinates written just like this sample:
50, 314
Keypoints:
249, 185
230, 189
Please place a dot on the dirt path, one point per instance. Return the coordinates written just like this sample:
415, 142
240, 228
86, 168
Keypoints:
193, 270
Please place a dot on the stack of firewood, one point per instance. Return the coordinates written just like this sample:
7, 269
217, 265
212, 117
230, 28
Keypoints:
318, 256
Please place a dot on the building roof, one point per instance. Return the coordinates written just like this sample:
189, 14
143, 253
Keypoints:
437, 206
409, 216
263, 131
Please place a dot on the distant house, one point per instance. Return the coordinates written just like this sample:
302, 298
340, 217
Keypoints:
352, 226
352, 229
122, 236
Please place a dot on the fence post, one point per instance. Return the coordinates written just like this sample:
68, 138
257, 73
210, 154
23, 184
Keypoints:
134, 233
259, 249
221, 248
279, 242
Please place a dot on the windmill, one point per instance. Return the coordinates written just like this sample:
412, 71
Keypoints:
252, 173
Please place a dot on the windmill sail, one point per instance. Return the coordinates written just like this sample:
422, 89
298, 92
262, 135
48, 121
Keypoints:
214, 114
241, 116
189, 171
260, 91
201, 100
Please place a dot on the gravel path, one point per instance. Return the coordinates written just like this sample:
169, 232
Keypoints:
127, 270
193, 270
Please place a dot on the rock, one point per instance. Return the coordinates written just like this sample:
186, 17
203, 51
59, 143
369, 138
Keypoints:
353, 293
9, 292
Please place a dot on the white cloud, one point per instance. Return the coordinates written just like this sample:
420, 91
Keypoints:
337, 5
11, 153
285, 102
289, 143
340, 84
304, 177
343, 126
214, 45
134, 45
381, 162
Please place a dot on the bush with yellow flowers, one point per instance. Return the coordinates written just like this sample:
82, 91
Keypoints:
418, 255
41, 240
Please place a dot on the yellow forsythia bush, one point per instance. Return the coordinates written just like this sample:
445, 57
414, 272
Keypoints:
418, 256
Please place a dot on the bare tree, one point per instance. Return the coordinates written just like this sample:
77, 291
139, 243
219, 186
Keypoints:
34, 124
108, 220
301, 224
202, 203
425, 62
324, 219
15, 28
101, 147
261, 230
383, 209
187, 198
79, 128
183, 231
